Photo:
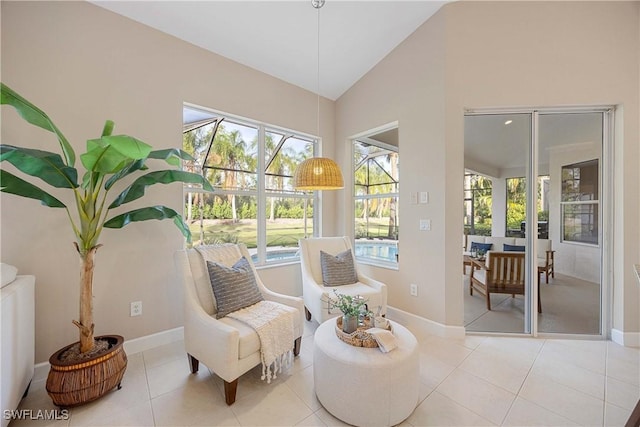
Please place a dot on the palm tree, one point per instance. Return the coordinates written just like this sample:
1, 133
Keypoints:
230, 147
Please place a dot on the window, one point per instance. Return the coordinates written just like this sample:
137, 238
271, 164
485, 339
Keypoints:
376, 202
477, 204
579, 202
517, 206
251, 167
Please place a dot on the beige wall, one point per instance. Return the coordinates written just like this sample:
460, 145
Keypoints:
409, 86
82, 64
496, 54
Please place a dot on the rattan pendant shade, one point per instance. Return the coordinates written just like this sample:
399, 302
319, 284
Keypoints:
318, 173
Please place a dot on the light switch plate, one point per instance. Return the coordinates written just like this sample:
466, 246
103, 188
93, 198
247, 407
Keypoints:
424, 197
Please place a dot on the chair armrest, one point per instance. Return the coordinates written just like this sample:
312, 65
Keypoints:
315, 295
476, 263
372, 282
378, 286
209, 340
287, 300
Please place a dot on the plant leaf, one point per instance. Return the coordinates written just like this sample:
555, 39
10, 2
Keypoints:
10, 183
171, 155
144, 214
108, 128
45, 165
129, 169
36, 117
103, 160
110, 154
138, 187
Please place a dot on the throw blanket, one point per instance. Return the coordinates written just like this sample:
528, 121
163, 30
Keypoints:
273, 323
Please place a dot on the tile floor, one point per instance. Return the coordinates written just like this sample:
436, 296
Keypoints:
474, 381
569, 305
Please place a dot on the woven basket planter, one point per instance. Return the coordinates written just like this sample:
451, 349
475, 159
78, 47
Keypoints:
75, 383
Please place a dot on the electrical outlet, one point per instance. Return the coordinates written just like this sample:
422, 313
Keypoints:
413, 290
136, 309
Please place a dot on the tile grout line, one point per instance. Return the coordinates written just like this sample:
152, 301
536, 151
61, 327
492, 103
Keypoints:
146, 379
523, 381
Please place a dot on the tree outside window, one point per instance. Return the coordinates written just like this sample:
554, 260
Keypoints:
477, 204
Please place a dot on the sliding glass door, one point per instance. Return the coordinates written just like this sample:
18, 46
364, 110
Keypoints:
554, 226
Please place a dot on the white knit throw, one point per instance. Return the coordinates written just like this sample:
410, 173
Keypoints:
273, 323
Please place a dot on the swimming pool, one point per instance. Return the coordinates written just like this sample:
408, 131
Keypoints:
278, 255
377, 250
386, 251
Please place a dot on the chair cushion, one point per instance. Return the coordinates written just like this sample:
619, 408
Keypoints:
481, 246
249, 341
513, 248
338, 270
372, 296
234, 287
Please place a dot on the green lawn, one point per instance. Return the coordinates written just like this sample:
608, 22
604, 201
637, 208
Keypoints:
283, 232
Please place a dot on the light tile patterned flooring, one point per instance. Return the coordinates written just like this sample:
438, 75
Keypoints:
475, 381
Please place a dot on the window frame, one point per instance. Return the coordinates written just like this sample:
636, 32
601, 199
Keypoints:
260, 192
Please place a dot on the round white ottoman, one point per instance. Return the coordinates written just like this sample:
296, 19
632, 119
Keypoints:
364, 386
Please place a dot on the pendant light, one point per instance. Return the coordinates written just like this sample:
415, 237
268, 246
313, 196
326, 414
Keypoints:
318, 173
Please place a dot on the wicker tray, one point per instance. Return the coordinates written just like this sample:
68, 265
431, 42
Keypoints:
359, 338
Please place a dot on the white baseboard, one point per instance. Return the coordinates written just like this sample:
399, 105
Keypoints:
627, 339
421, 324
132, 346
147, 342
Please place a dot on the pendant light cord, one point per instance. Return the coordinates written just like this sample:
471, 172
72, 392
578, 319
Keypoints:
320, 4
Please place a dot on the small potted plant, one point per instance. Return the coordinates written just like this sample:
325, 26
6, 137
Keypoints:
351, 308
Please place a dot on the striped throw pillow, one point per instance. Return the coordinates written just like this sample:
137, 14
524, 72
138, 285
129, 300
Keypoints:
234, 287
338, 270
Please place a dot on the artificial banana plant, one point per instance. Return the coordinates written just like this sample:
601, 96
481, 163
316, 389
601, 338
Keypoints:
107, 160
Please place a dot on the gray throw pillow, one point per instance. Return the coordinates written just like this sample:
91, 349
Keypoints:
235, 287
338, 270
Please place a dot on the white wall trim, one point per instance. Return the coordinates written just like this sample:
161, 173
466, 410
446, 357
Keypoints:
627, 339
133, 346
421, 324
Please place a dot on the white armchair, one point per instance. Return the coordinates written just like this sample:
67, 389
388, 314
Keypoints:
226, 346
316, 295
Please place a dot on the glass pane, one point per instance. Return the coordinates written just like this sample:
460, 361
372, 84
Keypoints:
232, 161
580, 222
496, 163
478, 205
580, 181
570, 149
377, 218
282, 155
288, 221
218, 222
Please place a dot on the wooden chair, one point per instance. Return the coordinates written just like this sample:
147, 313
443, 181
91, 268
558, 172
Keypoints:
545, 259
502, 273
